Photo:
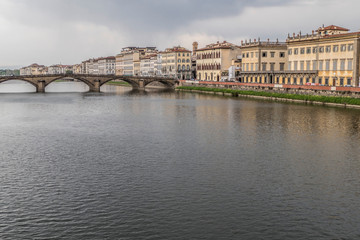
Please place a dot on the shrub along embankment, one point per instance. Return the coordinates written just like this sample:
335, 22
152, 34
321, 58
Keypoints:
278, 96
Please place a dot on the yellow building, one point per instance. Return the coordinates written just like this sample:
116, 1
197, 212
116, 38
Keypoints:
260, 60
332, 52
176, 62
213, 61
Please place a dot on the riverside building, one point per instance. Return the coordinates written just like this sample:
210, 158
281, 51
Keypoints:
263, 61
34, 69
213, 61
331, 52
176, 62
128, 61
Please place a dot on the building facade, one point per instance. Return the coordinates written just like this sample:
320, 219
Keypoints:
262, 60
34, 69
176, 63
128, 61
213, 61
106, 65
333, 52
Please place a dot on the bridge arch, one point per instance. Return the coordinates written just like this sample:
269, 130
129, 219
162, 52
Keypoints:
165, 82
19, 79
84, 80
129, 81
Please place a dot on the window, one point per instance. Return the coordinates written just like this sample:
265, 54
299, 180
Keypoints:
308, 50
282, 54
252, 54
335, 48
257, 54
335, 64
302, 50
343, 48
263, 67
327, 65
256, 67
348, 81
308, 65
289, 65
179, 61
314, 62
272, 66
301, 65
282, 66
247, 55
326, 81
341, 81
296, 51
328, 49
272, 54
342, 64
321, 49
350, 47
295, 80
295, 65
315, 49
290, 51
350, 65
183, 60
247, 67
321, 63
264, 54
252, 67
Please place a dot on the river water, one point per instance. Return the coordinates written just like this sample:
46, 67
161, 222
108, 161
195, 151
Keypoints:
161, 164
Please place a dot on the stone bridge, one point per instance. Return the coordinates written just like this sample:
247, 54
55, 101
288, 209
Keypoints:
93, 81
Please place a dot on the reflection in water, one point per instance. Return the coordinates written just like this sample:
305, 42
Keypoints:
161, 164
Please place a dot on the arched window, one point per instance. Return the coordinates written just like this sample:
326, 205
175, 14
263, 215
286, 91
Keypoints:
183, 67
179, 61
179, 67
183, 60
188, 67
187, 60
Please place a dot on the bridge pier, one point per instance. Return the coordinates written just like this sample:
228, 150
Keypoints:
96, 87
141, 85
40, 86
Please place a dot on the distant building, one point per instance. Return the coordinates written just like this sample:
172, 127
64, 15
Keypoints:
128, 61
214, 60
106, 65
34, 69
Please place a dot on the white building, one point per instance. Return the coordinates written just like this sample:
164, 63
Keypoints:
106, 65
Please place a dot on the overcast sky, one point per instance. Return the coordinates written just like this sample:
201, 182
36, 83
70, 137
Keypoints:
70, 31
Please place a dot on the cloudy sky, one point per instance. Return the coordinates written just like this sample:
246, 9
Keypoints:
70, 31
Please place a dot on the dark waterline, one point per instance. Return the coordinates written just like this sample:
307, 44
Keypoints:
159, 164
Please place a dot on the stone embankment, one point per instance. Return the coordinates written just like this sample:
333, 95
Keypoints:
319, 95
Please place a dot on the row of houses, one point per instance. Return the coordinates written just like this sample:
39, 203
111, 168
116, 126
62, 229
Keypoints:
328, 56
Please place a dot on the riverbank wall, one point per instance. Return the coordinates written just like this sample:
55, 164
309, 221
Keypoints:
329, 91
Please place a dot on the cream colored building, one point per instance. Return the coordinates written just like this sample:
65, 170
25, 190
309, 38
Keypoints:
176, 62
214, 60
106, 65
332, 52
260, 59
128, 61
34, 69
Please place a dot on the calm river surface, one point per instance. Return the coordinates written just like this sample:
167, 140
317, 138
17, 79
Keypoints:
160, 164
